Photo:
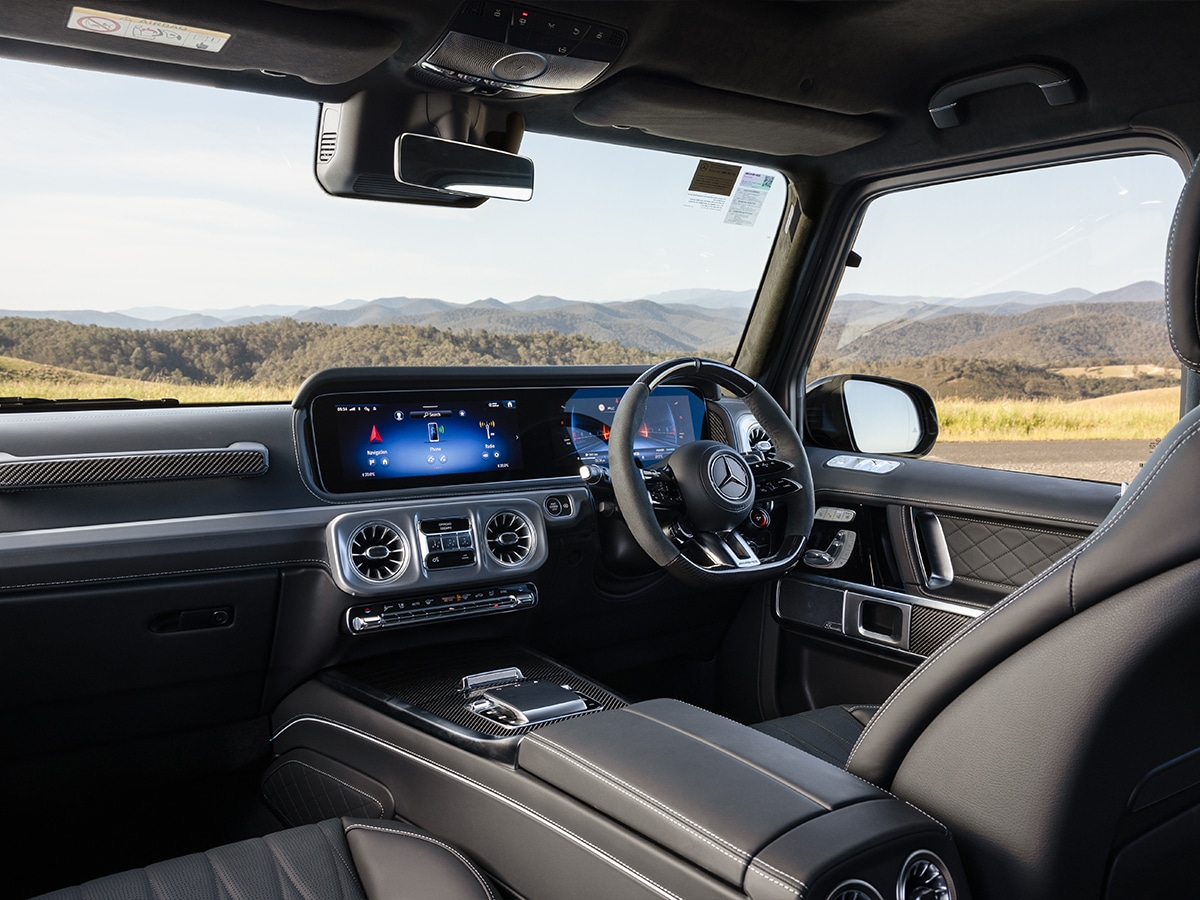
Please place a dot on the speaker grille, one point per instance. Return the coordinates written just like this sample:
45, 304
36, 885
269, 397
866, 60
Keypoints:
327, 147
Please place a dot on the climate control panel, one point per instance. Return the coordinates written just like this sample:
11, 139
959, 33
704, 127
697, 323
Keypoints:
439, 607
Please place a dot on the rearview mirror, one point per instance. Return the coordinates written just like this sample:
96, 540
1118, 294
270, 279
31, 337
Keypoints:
869, 414
465, 169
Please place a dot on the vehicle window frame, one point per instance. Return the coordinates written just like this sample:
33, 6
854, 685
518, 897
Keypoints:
837, 234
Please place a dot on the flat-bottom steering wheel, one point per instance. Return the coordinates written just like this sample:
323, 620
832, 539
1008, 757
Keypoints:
705, 489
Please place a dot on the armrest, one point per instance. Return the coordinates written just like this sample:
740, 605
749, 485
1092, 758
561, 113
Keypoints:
759, 814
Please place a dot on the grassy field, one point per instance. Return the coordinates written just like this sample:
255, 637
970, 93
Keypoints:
19, 378
1136, 415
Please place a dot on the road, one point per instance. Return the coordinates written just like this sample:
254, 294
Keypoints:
1114, 461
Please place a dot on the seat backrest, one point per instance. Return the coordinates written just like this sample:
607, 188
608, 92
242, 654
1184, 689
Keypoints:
1058, 734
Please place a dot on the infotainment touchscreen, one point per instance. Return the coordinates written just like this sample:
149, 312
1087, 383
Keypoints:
414, 439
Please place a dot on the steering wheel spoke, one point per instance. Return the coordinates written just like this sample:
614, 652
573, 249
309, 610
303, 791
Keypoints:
662, 488
727, 549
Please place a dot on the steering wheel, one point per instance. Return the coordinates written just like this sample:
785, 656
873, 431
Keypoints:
706, 489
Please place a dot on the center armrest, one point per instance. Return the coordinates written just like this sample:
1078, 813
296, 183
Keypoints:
729, 799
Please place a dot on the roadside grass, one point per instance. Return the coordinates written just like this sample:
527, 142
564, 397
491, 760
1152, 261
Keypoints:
19, 378
1135, 415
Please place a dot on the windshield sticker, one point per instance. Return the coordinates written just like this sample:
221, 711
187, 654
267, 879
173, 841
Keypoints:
748, 200
118, 25
711, 185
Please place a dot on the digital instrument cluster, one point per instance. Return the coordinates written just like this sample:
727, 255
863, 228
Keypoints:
388, 440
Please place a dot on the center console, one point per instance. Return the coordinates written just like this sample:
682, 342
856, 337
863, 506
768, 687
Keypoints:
560, 788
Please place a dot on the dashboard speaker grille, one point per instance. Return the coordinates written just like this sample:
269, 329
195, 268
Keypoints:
378, 552
509, 538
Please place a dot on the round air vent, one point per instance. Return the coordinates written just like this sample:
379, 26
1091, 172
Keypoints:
760, 441
854, 890
378, 552
509, 538
923, 877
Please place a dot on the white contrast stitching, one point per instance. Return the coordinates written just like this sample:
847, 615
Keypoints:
487, 789
296, 762
650, 803
800, 889
969, 627
432, 840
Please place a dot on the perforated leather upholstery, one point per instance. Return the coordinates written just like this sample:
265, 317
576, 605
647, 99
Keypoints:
346, 859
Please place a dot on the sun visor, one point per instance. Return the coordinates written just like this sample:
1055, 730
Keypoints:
688, 112
319, 46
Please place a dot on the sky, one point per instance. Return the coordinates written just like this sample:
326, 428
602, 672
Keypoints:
1098, 225
126, 193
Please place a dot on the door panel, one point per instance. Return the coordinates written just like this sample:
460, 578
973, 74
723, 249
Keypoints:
934, 544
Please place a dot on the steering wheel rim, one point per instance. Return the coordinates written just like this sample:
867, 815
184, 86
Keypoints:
634, 500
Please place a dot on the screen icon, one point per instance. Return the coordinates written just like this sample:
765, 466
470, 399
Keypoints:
376, 437
433, 432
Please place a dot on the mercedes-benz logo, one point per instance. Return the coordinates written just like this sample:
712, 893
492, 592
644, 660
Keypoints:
730, 477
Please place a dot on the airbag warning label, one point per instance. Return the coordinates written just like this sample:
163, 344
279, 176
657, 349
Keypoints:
118, 25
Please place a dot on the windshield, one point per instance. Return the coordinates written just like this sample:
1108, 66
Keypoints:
174, 237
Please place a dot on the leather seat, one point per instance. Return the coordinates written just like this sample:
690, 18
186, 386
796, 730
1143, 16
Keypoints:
1057, 734
346, 859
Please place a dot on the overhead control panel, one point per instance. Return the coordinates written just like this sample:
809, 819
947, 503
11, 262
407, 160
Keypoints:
502, 47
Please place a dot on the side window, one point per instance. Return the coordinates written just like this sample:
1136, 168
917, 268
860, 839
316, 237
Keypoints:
1030, 306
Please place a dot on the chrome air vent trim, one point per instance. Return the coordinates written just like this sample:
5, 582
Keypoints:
378, 552
509, 537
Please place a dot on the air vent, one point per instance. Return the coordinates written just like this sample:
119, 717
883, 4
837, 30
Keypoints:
327, 147
378, 552
854, 890
760, 441
924, 877
509, 538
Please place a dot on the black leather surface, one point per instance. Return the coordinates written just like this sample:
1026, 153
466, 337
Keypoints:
291, 865
331, 860
303, 788
708, 788
1183, 277
402, 863
1136, 542
827, 733
1000, 553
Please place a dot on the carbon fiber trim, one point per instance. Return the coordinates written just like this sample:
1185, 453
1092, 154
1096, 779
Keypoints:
241, 460
431, 682
930, 628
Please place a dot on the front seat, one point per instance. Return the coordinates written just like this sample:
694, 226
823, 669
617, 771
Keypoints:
339, 859
1058, 734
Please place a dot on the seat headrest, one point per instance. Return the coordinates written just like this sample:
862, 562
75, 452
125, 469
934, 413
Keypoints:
1183, 275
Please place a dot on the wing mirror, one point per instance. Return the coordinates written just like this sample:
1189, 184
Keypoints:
870, 414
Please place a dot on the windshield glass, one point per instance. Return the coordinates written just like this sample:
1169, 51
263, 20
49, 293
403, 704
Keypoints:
174, 237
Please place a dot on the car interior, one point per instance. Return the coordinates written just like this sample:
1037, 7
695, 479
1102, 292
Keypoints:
695, 630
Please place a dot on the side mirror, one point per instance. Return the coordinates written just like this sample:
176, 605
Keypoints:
461, 168
870, 414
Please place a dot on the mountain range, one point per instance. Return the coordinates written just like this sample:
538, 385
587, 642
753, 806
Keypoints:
1038, 328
